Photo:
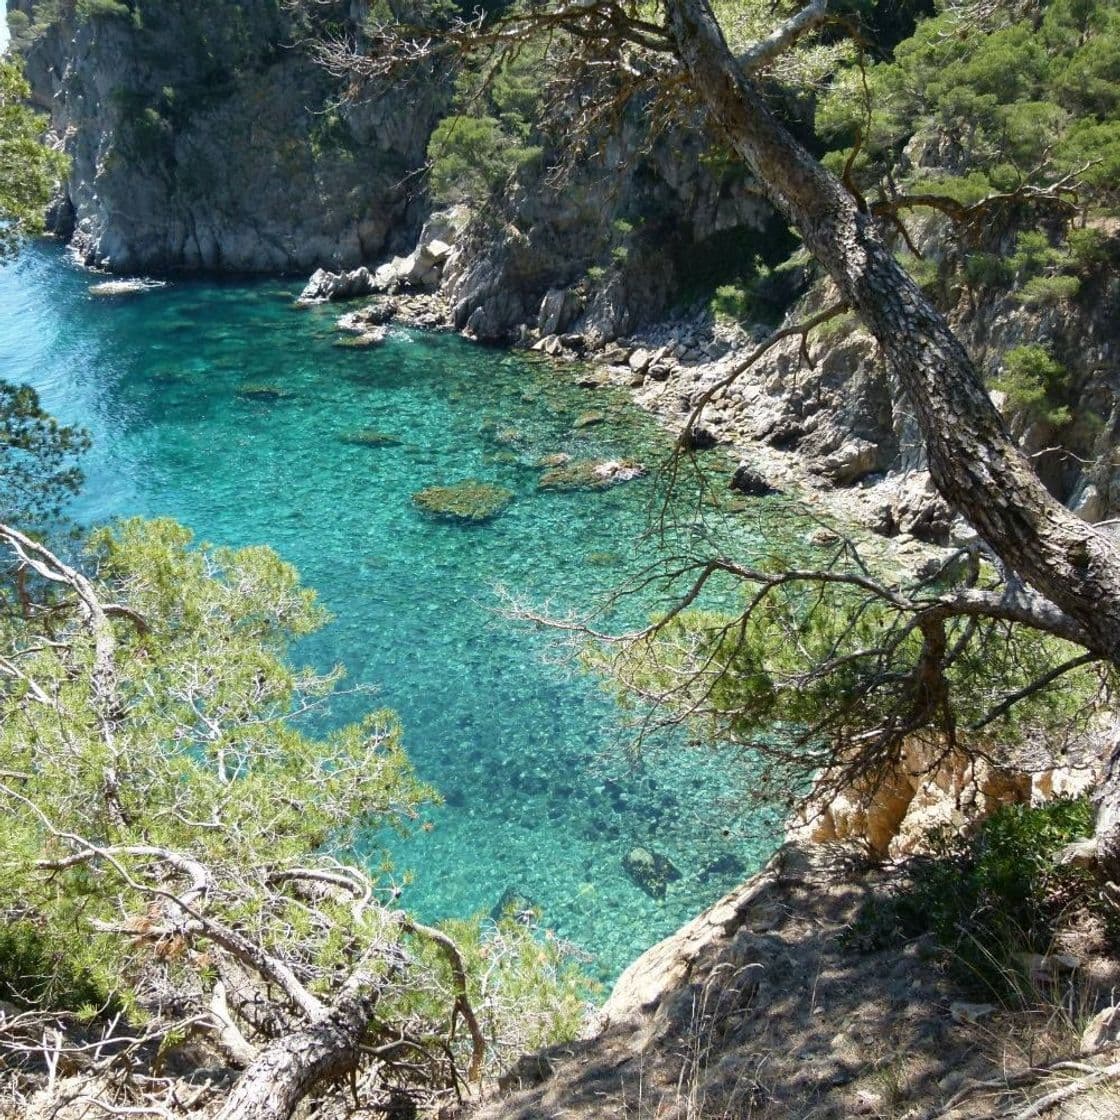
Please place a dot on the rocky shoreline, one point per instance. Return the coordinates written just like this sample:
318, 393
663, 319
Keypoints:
668, 368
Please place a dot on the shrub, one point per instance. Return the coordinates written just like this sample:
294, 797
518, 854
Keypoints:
1040, 291
92, 9
1034, 383
473, 156
991, 895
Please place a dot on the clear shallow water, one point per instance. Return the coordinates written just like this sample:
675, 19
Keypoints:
528, 753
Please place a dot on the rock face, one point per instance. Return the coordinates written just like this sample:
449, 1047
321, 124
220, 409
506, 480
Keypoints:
202, 137
608, 246
929, 788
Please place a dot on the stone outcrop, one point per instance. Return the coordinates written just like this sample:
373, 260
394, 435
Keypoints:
202, 136
926, 790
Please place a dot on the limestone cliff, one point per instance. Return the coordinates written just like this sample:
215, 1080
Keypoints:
202, 136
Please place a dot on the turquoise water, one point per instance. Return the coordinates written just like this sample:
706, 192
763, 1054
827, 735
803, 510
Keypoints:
528, 752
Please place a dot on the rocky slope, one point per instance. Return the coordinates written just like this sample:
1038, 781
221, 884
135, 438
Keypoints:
204, 137
764, 1006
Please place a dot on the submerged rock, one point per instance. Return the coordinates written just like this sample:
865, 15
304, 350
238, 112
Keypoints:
516, 905
259, 391
366, 338
650, 871
590, 474
466, 501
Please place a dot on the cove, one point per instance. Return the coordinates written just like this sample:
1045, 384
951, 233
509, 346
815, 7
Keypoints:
219, 404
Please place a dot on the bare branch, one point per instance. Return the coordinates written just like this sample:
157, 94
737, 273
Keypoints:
783, 37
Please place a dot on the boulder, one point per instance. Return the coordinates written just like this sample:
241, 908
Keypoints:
1103, 1031
921, 511
699, 439
852, 460
369, 319
748, 480
558, 310
650, 871
639, 360
325, 286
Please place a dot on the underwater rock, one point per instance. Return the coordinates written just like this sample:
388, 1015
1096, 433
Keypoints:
557, 459
725, 864
259, 391
516, 905
373, 337
650, 871
468, 501
588, 419
369, 437
590, 474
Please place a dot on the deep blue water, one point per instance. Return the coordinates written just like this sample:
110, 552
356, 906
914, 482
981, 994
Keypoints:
528, 751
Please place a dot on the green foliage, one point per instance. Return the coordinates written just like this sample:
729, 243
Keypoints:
991, 895
184, 735
1035, 385
760, 294
46, 966
473, 156
38, 459
206, 734
1042, 290
730, 301
28, 169
93, 9
522, 979
490, 136
818, 676
1012, 97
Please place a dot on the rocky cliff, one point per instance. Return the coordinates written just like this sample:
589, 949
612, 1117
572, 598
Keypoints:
202, 136
612, 242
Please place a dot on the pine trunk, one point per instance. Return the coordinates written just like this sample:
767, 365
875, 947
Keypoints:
287, 1070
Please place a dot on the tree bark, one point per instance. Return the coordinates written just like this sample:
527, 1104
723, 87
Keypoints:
287, 1070
972, 457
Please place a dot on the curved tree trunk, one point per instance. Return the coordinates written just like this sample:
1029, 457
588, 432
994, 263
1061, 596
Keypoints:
287, 1070
972, 458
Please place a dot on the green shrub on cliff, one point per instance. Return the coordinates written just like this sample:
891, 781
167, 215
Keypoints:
994, 896
489, 137
1000, 93
28, 169
472, 157
91, 9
